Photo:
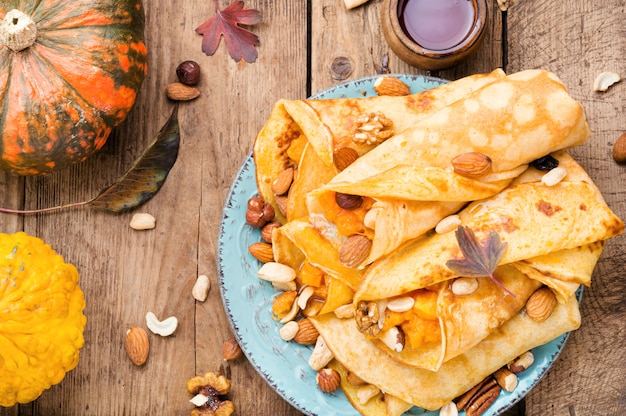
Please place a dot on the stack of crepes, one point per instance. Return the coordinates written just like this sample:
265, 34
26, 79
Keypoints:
554, 233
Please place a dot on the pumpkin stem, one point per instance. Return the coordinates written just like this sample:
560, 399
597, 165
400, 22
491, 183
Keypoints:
17, 31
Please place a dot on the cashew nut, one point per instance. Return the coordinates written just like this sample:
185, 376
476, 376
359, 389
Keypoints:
554, 176
605, 80
142, 221
201, 289
289, 330
401, 304
276, 272
163, 328
321, 355
366, 393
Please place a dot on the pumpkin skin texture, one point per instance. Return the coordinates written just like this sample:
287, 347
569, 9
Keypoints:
41, 318
61, 96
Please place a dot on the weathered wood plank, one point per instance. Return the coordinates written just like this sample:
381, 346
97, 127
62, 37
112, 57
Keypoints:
588, 39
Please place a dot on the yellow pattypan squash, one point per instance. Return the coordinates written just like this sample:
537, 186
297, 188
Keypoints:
41, 318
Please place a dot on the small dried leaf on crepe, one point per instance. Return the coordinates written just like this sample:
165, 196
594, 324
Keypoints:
532, 218
431, 390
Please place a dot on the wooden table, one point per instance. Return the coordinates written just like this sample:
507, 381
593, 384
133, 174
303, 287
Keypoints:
306, 46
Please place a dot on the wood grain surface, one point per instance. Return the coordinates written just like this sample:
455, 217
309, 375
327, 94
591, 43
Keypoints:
305, 46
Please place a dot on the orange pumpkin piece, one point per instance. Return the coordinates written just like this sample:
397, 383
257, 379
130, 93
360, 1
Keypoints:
282, 303
310, 275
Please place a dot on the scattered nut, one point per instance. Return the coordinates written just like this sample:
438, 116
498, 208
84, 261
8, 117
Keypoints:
541, 304
178, 91
479, 398
268, 229
307, 333
447, 224
212, 386
604, 80
506, 379
372, 128
188, 72
201, 289
619, 149
393, 338
259, 213
344, 157
276, 272
137, 345
367, 315
503, 5
388, 85
464, 286
288, 331
355, 250
351, 4
283, 181
305, 295
163, 328
347, 201
281, 202
142, 221
522, 363
231, 351
365, 393
344, 311
263, 252
554, 176
449, 409
401, 304
328, 380
321, 355
472, 164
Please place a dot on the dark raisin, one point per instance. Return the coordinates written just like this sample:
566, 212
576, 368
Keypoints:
545, 163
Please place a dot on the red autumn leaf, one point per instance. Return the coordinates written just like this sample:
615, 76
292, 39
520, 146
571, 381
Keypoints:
241, 43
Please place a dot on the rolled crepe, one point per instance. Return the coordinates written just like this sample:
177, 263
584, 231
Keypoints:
330, 124
465, 320
532, 218
513, 121
429, 389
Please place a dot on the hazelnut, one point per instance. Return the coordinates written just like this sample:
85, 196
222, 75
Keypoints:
259, 213
267, 229
328, 380
347, 201
188, 72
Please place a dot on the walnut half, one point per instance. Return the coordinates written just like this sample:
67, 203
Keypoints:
373, 128
367, 316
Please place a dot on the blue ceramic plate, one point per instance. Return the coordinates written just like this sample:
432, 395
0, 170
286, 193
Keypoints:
248, 300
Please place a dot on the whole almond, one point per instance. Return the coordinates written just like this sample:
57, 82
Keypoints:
262, 252
472, 164
355, 250
307, 333
344, 157
178, 91
283, 181
388, 85
281, 203
137, 345
541, 304
231, 350
619, 149
328, 380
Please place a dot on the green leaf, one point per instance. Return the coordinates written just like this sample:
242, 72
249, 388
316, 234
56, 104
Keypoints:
480, 260
146, 176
